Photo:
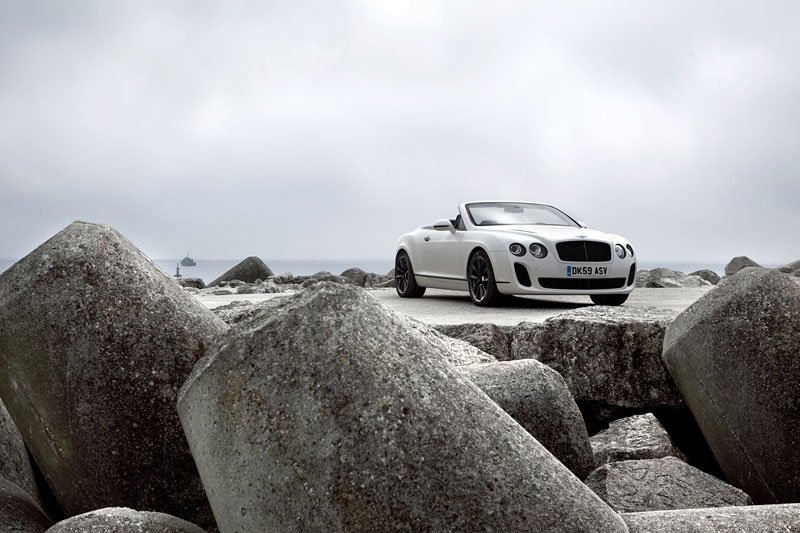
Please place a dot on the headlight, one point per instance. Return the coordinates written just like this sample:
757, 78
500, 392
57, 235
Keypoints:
517, 249
538, 250
630, 249
620, 251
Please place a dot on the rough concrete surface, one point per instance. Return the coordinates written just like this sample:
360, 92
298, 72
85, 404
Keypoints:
124, 520
248, 271
95, 342
734, 355
333, 415
19, 511
749, 519
634, 437
538, 399
661, 485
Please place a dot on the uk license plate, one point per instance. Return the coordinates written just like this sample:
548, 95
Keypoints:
586, 271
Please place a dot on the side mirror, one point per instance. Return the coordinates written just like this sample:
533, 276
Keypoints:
444, 225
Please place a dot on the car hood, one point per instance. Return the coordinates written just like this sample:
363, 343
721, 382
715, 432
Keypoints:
553, 233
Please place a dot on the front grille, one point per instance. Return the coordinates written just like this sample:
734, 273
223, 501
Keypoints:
584, 251
582, 284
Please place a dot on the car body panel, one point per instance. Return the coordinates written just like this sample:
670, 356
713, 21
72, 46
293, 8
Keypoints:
440, 257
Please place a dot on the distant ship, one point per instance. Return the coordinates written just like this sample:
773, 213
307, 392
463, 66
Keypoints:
188, 261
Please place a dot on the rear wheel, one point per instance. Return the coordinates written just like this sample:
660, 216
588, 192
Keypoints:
404, 281
609, 299
482, 286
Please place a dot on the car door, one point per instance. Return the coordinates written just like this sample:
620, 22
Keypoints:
442, 254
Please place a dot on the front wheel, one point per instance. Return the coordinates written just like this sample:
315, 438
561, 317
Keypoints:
609, 299
404, 281
482, 287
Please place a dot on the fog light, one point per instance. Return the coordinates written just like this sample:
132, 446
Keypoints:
538, 250
517, 249
620, 251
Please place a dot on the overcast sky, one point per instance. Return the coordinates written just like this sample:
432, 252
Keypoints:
325, 129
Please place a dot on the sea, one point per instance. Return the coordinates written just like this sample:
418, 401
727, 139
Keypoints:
210, 269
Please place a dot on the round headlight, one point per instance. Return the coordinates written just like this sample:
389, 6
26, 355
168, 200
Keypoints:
620, 251
538, 250
630, 249
517, 249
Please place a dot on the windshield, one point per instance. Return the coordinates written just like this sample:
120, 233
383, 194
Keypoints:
506, 213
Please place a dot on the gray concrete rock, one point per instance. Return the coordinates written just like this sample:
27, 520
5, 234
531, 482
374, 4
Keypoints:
248, 271
738, 263
222, 292
527, 340
610, 355
536, 397
708, 275
377, 280
745, 519
195, 283
269, 287
19, 511
661, 485
734, 355
281, 279
634, 437
95, 341
247, 288
333, 415
320, 277
124, 520
490, 338
14, 463
355, 276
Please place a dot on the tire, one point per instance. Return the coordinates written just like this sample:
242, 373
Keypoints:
480, 276
404, 281
609, 299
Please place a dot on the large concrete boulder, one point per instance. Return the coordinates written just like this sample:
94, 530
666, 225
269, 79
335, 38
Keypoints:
708, 275
14, 463
354, 276
536, 397
331, 414
608, 355
124, 520
734, 356
248, 271
490, 338
95, 342
661, 485
749, 519
634, 437
738, 263
19, 511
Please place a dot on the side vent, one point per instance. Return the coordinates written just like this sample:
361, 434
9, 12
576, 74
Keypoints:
632, 275
522, 275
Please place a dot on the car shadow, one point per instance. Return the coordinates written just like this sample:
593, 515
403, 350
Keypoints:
515, 302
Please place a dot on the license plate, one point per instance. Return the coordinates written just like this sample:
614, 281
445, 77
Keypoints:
586, 271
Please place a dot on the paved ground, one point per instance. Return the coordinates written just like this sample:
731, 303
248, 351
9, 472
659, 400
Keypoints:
450, 307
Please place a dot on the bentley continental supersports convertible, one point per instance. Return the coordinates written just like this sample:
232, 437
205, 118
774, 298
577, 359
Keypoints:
496, 248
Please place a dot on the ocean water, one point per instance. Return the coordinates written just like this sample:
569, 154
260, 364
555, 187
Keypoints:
210, 269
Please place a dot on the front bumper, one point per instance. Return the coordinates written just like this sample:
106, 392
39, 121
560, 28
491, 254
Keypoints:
529, 275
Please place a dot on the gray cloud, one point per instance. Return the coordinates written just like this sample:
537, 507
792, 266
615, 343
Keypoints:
326, 129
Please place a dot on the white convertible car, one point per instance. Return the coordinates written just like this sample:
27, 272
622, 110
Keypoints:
496, 248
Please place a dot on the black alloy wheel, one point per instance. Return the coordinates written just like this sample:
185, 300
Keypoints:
404, 281
482, 286
609, 299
